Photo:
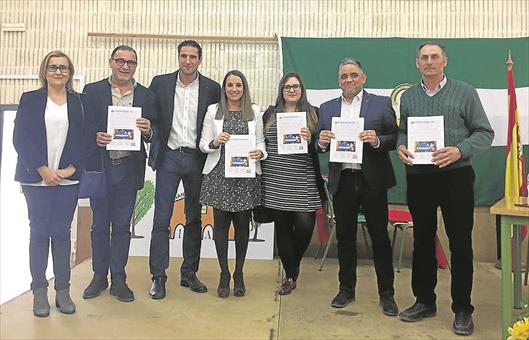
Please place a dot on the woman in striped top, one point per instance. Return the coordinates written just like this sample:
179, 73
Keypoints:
292, 186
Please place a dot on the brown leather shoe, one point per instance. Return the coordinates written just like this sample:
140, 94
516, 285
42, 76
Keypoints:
287, 286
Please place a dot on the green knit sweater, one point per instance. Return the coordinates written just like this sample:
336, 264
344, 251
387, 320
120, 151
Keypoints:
466, 125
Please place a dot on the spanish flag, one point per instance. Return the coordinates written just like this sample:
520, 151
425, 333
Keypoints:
515, 182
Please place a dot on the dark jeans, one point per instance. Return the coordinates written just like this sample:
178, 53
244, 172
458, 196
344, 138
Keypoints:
293, 233
110, 249
453, 191
177, 166
353, 193
50, 212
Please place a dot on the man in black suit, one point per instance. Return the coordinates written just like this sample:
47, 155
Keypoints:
125, 172
361, 185
182, 98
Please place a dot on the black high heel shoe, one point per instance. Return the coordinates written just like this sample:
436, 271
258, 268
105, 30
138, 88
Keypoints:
224, 285
238, 284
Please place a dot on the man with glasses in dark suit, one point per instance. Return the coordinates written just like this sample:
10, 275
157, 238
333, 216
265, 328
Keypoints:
182, 98
125, 172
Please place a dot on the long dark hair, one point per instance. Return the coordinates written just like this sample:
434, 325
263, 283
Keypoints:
246, 100
302, 105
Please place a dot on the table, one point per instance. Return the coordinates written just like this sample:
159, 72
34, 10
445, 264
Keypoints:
512, 217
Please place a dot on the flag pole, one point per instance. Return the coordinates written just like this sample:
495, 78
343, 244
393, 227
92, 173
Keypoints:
509, 62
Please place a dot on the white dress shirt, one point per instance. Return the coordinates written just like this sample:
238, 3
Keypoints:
184, 128
437, 88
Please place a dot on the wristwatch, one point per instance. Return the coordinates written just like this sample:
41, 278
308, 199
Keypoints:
212, 146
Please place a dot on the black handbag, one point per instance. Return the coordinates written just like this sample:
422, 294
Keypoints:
262, 214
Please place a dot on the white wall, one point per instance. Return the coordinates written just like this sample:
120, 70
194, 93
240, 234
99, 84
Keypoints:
15, 277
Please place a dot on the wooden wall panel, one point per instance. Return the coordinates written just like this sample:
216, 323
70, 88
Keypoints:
57, 24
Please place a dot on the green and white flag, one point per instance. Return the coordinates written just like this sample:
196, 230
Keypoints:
390, 67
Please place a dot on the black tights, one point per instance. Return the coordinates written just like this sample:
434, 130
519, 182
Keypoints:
293, 233
241, 222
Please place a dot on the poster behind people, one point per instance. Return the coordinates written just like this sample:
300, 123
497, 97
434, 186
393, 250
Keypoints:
261, 245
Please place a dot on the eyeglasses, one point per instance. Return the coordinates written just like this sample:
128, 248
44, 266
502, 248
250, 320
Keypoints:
121, 62
353, 75
295, 88
54, 68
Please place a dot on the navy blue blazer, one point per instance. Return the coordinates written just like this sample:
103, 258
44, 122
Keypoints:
29, 136
97, 99
164, 87
378, 115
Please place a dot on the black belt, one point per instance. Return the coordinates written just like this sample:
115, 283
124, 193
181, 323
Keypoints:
119, 161
184, 149
352, 171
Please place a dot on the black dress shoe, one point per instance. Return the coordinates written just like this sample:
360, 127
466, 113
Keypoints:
239, 289
121, 291
463, 324
417, 312
158, 288
389, 306
95, 287
342, 299
192, 282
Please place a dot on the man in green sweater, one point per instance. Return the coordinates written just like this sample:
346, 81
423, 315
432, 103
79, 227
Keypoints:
448, 182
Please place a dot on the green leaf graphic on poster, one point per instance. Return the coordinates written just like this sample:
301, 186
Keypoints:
144, 202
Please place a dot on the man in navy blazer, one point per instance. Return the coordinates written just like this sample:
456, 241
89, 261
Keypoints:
361, 186
125, 172
182, 98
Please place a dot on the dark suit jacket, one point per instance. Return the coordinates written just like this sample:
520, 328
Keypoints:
29, 136
163, 87
378, 115
97, 99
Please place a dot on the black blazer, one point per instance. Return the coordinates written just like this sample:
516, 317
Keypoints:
272, 110
97, 99
164, 87
29, 136
378, 115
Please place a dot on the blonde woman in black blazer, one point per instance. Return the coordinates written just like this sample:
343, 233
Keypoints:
49, 140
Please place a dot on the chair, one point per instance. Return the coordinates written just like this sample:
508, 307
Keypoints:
331, 224
401, 220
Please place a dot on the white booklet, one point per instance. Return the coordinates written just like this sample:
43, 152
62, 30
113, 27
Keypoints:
237, 162
425, 136
346, 146
122, 126
289, 139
